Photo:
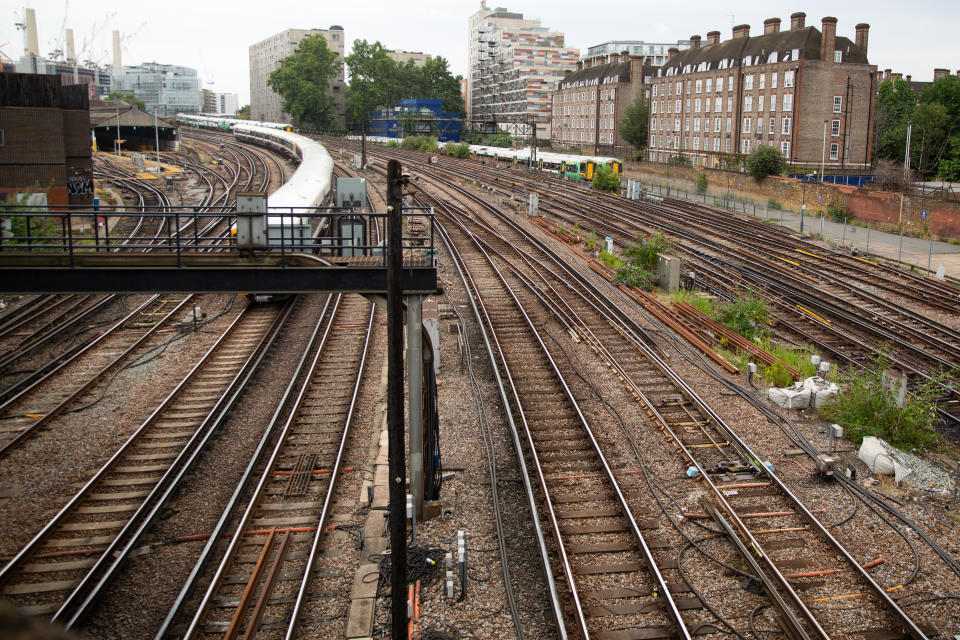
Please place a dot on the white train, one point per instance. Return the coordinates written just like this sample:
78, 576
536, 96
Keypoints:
227, 124
308, 188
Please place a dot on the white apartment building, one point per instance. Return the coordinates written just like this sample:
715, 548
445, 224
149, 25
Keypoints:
654, 53
514, 67
227, 103
402, 57
266, 55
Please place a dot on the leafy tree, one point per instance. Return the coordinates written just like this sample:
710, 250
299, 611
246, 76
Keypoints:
765, 161
604, 179
373, 79
129, 98
895, 104
437, 82
636, 123
243, 113
302, 80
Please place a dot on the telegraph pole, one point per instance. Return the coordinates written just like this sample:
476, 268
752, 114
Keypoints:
398, 489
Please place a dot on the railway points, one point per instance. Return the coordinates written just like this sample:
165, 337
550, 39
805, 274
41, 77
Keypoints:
609, 480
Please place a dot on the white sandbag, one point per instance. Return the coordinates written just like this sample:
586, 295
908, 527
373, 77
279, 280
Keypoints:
878, 456
795, 397
821, 391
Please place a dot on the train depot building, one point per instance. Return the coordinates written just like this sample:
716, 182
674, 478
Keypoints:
139, 131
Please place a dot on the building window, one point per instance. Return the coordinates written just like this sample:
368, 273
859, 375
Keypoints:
696, 124
729, 105
729, 125
678, 106
838, 55
654, 107
785, 149
679, 88
718, 105
696, 144
719, 85
748, 103
788, 102
716, 144
760, 102
653, 141
785, 126
788, 78
686, 124
699, 86
773, 126
727, 146
716, 125
688, 104
696, 105
746, 146
834, 150
676, 142
706, 105
837, 104
773, 80
748, 82
773, 103
709, 86
746, 125
759, 126
676, 124
763, 80
835, 128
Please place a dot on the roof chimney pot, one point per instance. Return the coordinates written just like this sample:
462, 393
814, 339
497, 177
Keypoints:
798, 20
828, 40
940, 73
713, 37
695, 42
741, 31
671, 52
771, 25
863, 33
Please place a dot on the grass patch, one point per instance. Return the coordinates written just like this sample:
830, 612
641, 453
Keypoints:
866, 406
749, 315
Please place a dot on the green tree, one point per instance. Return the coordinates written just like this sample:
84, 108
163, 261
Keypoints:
374, 79
634, 128
243, 113
302, 81
128, 98
895, 104
437, 82
765, 161
604, 179
500, 140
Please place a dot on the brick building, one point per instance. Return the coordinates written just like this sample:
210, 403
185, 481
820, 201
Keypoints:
807, 92
45, 139
589, 103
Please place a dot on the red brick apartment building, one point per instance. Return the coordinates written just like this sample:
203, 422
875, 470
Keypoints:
806, 92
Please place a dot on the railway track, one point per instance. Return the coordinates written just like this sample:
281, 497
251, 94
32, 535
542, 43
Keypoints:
61, 572
75, 381
742, 491
269, 578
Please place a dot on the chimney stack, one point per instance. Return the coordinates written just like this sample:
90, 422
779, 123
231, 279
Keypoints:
828, 39
71, 48
694, 42
614, 58
909, 78
940, 73
741, 31
117, 58
797, 20
671, 52
713, 37
33, 46
886, 74
567, 72
579, 65
863, 33
771, 25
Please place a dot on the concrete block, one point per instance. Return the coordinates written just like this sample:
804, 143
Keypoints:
365, 581
376, 525
360, 619
668, 273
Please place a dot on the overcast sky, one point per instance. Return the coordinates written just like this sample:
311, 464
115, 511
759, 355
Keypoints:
214, 37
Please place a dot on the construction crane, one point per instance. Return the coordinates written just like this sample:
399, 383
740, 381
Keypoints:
86, 51
58, 42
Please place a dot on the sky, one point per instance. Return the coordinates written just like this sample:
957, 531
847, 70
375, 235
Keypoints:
214, 37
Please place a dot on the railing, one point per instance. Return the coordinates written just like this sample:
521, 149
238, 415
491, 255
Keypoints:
337, 234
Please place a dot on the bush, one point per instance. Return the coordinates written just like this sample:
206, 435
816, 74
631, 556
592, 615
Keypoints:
837, 211
393, 143
773, 203
611, 260
867, 407
633, 275
426, 144
646, 252
766, 161
680, 159
457, 150
604, 179
701, 183
592, 241
500, 140
748, 315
